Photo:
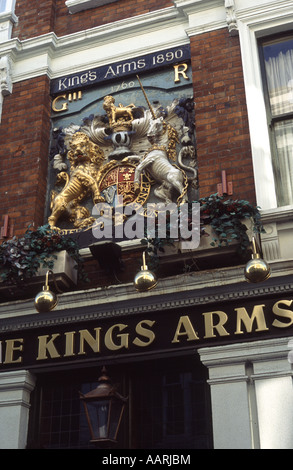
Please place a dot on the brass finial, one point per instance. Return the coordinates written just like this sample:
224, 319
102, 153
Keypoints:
256, 270
46, 300
144, 280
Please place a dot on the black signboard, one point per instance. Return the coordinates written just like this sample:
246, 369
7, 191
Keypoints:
122, 69
172, 330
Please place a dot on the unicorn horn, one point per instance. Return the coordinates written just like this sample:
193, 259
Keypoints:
146, 98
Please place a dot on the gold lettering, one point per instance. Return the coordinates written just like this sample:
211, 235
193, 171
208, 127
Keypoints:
282, 312
179, 72
64, 106
94, 343
69, 343
49, 346
74, 96
140, 330
109, 343
187, 330
257, 314
210, 326
11, 348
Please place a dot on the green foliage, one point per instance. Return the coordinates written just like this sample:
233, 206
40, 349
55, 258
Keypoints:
225, 216
20, 258
226, 219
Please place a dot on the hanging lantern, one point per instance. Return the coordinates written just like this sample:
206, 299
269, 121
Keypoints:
104, 408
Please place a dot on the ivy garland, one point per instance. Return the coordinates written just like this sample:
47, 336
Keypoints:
20, 258
225, 216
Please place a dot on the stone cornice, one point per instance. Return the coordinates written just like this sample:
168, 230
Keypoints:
243, 352
130, 37
8, 16
278, 214
262, 9
112, 42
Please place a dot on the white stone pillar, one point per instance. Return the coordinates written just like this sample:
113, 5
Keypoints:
230, 400
274, 394
251, 394
15, 390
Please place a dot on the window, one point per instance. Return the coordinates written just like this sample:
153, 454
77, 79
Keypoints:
277, 60
7, 19
2, 6
171, 407
7, 6
168, 406
259, 22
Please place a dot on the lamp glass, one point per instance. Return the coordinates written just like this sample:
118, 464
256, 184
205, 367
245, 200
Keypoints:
104, 416
98, 412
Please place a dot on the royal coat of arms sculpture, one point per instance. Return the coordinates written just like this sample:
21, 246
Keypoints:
134, 152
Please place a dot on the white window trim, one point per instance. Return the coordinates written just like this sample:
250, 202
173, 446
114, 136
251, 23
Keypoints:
253, 23
9, 10
74, 6
7, 20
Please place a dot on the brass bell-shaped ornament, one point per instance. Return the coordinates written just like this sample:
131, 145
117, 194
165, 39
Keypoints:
46, 300
256, 270
144, 280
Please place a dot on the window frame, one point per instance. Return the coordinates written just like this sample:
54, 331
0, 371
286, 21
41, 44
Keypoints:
9, 7
276, 38
254, 24
272, 119
4, 10
7, 20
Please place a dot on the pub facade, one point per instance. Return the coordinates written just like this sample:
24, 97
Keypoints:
146, 153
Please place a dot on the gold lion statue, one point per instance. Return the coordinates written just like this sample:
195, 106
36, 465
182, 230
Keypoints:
85, 159
118, 114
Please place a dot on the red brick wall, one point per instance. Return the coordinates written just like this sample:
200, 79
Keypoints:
66, 23
223, 141
42, 16
35, 17
24, 136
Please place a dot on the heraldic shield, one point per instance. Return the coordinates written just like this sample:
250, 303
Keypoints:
118, 180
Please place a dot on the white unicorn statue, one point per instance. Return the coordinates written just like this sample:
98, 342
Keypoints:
156, 161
